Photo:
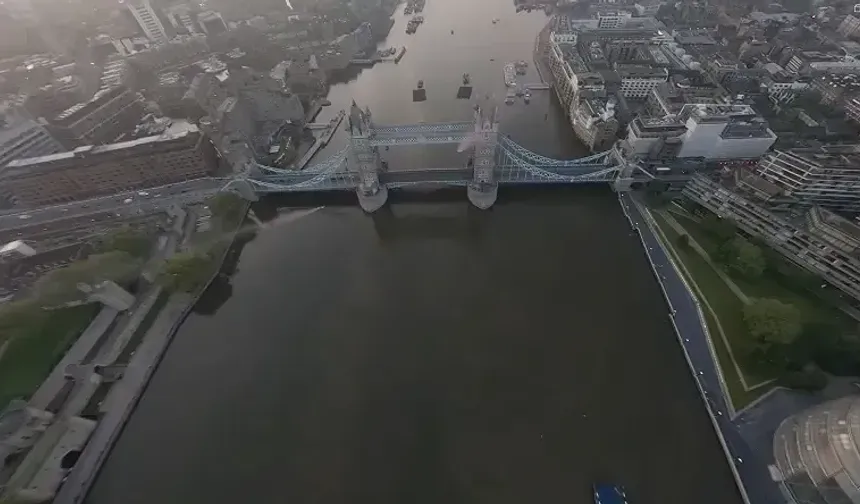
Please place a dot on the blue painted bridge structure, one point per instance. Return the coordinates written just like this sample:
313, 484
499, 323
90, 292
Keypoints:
494, 160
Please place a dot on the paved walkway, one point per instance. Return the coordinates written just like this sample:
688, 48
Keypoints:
719, 326
76, 355
122, 398
707, 257
749, 466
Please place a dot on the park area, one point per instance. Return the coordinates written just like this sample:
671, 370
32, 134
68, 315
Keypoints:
770, 322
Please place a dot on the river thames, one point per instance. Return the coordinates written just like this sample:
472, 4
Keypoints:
430, 353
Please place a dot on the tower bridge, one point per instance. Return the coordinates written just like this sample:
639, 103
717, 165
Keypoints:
494, 160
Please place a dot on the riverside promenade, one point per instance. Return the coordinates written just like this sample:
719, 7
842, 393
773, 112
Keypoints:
749, 468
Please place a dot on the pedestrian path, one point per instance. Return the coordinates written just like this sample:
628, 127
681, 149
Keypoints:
721, 333
749, 467
707, 257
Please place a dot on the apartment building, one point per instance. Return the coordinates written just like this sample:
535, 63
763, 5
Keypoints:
21, 136
110, 114
828, 176
637, 81
148, 20
807, 247
180, 153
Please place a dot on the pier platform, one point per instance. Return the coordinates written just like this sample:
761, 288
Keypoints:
419, 95
464, 93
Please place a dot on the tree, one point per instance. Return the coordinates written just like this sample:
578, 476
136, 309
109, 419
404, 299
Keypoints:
186, 272
722, 229
130, 241
61, 285
227, 207
746, 258
772, 322
810, 380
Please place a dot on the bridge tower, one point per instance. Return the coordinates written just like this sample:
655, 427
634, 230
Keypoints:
371, 194
624, 178
483, 188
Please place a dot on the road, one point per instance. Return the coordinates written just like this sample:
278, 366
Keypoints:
142, 202
751, 467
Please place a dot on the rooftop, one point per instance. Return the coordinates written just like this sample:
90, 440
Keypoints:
840, 223
178, 129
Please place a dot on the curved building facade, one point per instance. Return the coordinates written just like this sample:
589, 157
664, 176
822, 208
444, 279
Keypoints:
817, 453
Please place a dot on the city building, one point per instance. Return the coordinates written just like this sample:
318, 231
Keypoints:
850, 26
836, 230
653, 139
833, 87
595, 124
637, 81
573, 78
110, 114
816, 454
21, 136
827, 176
741, 199
851, 105
782, 87
180, 153
148, 20
728, 132
669, 98
211, 22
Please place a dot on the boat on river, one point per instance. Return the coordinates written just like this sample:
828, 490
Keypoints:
510, 75
421, 84
605, 493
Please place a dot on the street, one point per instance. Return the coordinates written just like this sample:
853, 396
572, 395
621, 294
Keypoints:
121, 205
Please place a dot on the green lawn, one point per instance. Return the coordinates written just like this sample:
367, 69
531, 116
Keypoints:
29, 359
771, 285
728, 308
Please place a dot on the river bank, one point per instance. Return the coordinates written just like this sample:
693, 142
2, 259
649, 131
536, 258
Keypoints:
124, 396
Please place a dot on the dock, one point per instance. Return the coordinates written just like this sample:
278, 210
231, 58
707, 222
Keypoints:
322, 141
419, 94
464, 93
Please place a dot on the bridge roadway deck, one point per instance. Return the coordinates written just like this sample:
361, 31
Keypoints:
337, 181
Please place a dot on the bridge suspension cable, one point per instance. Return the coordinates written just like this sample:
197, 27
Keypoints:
536, 159
600, 172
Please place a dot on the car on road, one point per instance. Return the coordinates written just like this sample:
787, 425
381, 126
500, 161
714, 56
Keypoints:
24, 217
143, 193
127, 201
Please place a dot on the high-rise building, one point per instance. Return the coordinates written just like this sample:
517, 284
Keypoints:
148, 20
21, 136
816, 453
828, 176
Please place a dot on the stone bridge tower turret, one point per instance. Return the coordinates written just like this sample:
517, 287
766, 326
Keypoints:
483, 189
365, 160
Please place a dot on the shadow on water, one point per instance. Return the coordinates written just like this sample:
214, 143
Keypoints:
220, 290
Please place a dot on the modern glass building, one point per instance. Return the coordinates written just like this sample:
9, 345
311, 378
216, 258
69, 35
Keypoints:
816, 453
